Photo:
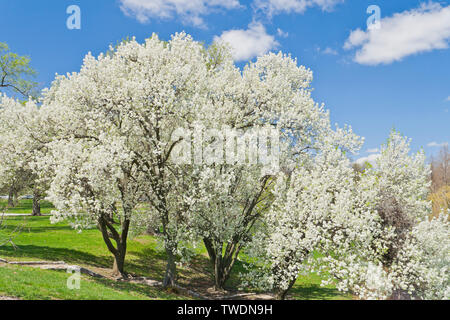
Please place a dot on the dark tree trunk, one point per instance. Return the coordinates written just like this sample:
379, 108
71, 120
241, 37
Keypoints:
170, 276
222, 262
170, 246
119, 251
11, 198
36, 206
119, 262
280, 294
399, 294
219, 275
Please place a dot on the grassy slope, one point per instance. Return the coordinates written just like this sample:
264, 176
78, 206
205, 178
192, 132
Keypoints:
41, 240
36, 284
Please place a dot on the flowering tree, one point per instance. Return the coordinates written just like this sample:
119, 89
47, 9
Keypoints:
271, 94
92, 174
14, 72
369, 231
94, 183
316, 208
125, 129
415, 261
230, 202
114, 124
136, 97
409, 252
21, 142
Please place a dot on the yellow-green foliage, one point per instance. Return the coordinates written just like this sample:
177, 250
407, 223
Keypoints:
441, 199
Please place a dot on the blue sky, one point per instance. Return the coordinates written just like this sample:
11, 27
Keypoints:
395, 76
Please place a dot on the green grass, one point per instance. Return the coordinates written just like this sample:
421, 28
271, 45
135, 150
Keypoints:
308, 288
36, 284
26, 206
40, 240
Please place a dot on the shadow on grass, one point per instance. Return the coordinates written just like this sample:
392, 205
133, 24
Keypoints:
56, 254
27, 229
150, 292
148, 262
151, 262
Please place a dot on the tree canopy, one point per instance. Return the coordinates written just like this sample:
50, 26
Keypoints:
16, 73
236, 158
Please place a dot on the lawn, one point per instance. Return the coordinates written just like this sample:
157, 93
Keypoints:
26, 206
36, 284
41, 240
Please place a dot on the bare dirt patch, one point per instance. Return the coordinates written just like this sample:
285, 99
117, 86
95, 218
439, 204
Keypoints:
8, 298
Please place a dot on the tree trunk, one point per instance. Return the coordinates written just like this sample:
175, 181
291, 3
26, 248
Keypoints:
222, 262
171, 269
36, 207
11, 198
280, 294
119, 263
219, 273
119, 252
16, 198
170, 245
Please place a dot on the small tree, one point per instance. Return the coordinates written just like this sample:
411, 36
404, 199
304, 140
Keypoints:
93, 185
15, 72
230, 202
90, 169
21, 142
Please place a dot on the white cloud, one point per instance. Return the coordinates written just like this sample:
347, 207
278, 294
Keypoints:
247, 44
448, 98
410, 32
272, 7
329, 51
374, 150
371, 159
190, 11
435, 144
282, 33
